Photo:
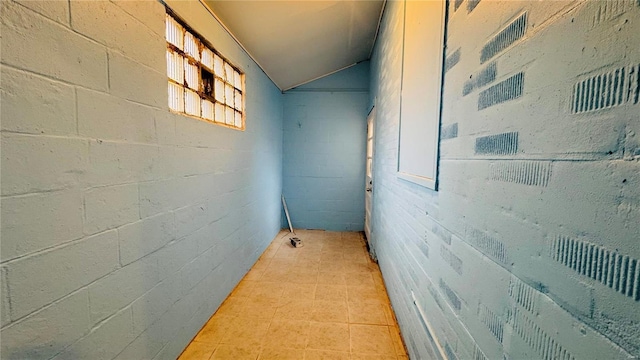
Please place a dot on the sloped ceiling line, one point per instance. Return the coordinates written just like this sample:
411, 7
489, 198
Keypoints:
297, 41
236, 40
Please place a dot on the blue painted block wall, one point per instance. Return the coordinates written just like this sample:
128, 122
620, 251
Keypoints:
529, 248
324, 151
124, 226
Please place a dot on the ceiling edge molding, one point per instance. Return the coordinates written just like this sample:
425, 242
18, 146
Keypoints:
321, 76
330, 90
375, 37
203, 3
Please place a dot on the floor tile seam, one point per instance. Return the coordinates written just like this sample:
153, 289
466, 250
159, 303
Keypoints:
262, 348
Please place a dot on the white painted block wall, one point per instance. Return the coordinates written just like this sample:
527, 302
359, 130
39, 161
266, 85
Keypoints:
529, 248
124, 226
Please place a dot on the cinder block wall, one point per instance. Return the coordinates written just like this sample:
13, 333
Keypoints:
124, 226
324, 151
530, 247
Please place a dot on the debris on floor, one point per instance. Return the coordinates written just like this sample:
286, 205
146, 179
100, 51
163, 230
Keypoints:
296, 242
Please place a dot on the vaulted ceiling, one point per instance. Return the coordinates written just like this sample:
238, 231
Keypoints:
298, 41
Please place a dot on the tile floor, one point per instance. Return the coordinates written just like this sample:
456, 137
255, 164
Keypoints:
325, 300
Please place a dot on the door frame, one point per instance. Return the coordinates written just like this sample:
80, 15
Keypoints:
370, 179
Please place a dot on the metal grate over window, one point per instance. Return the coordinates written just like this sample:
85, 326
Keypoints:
201, 83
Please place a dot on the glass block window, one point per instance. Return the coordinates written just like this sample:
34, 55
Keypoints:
202, 83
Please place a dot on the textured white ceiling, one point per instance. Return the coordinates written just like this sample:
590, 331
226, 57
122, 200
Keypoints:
298, 41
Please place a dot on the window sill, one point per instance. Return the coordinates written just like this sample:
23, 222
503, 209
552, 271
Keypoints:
419, 180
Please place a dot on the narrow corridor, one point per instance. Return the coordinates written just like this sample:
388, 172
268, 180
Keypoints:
325, 300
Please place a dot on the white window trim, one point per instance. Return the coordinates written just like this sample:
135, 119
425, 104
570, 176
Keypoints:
421, 179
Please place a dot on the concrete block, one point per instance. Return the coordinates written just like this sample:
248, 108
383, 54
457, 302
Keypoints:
159, 196
191, 218
109, 207
557, 329
145, 236
43, 334
150, 13
69, 57
175, 255
101, 116
197, 269
149, 307
55, 10
120, 288
203, 310
74, 265
118, 163
133, 81
586, 196
228, 224
37, 221
172, 349
215, 288
38, 163
616, 320
5, 309
187, 160
166, 130
105, 341
205, 239
34, 104
181, 310
108, 24
193, 132
628, 177
230, 180
189, 310
146, 345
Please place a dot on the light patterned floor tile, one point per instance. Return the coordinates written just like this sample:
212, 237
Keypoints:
299, 291
331, 278
371, 357
367, 312
287, 334
331, 292
281, 354
246, 332
371, 339
323, 301
311, 354
330, 311
214, 330
235, 352
328, 336
197, 351
294, 309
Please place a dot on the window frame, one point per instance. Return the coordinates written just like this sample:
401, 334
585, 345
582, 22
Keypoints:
419, 122
202, 71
